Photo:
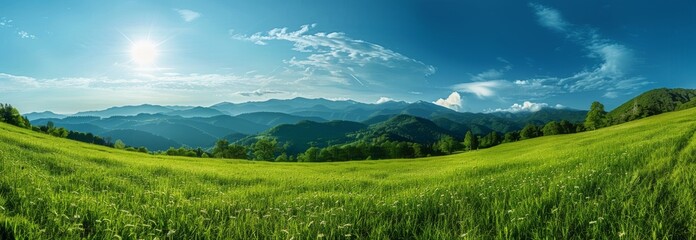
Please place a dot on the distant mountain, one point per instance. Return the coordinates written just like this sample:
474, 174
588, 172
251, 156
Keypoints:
281, 105
650, 103
275, 118
46, 114
136, 138
125, 111
195, 112
180, 133
237, 124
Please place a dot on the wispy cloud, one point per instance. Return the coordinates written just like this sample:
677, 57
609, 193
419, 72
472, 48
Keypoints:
612, 74
549, 17
453, 101
25, 34
188, 15
5, 23
337, 58
617, 60
482, 89
8, 23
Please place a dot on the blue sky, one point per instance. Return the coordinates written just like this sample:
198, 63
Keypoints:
475, 56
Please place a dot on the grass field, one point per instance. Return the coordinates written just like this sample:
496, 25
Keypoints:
630, 181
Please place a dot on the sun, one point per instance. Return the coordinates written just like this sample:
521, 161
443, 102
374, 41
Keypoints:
144, 52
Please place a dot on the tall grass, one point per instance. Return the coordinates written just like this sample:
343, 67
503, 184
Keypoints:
632, 181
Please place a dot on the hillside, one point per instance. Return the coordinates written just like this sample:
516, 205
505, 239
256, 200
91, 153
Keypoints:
305, 134
633, 180
405, 128
651, 103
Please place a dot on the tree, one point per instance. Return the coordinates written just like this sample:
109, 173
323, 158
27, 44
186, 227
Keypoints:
529, 131
567, 127
282, 158
551, 128
265, 149
470, 141
511, 137
596, 117
223, 149
236, 151
446, 144
311, 155
11, 115
119, 144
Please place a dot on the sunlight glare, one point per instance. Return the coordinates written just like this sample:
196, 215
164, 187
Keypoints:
144, 52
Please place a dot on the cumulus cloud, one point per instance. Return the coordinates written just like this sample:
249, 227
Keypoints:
336, 57
384, 100
526, 106
482, 89
188, 15
453, 101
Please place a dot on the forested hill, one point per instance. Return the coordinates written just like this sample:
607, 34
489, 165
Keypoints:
653, 102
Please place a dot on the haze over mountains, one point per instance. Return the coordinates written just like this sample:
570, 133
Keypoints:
159, 127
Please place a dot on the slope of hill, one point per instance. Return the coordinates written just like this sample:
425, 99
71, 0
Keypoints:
633, 180
305, 134
406, 128
651, 103
136, 138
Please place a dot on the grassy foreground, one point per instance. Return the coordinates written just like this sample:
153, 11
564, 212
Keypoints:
631, 181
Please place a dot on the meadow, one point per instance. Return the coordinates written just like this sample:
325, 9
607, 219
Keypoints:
630, 181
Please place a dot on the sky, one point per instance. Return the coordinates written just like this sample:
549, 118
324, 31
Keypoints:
468, 55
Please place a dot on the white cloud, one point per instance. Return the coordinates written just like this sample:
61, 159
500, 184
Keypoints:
491, 74
335, 57
612, 73
526, 106
5, 23
549, 17
384, 100
24, 34
482, 89
453, 101
259, 92
188, 15
611, 95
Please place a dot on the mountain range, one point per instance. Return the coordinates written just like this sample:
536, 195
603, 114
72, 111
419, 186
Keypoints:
301, 121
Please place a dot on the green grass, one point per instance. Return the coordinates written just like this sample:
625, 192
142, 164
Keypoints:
630, 181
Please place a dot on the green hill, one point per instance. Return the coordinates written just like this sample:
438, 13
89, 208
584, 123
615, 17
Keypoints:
406, 128
305, 134
651, 103
629, 181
